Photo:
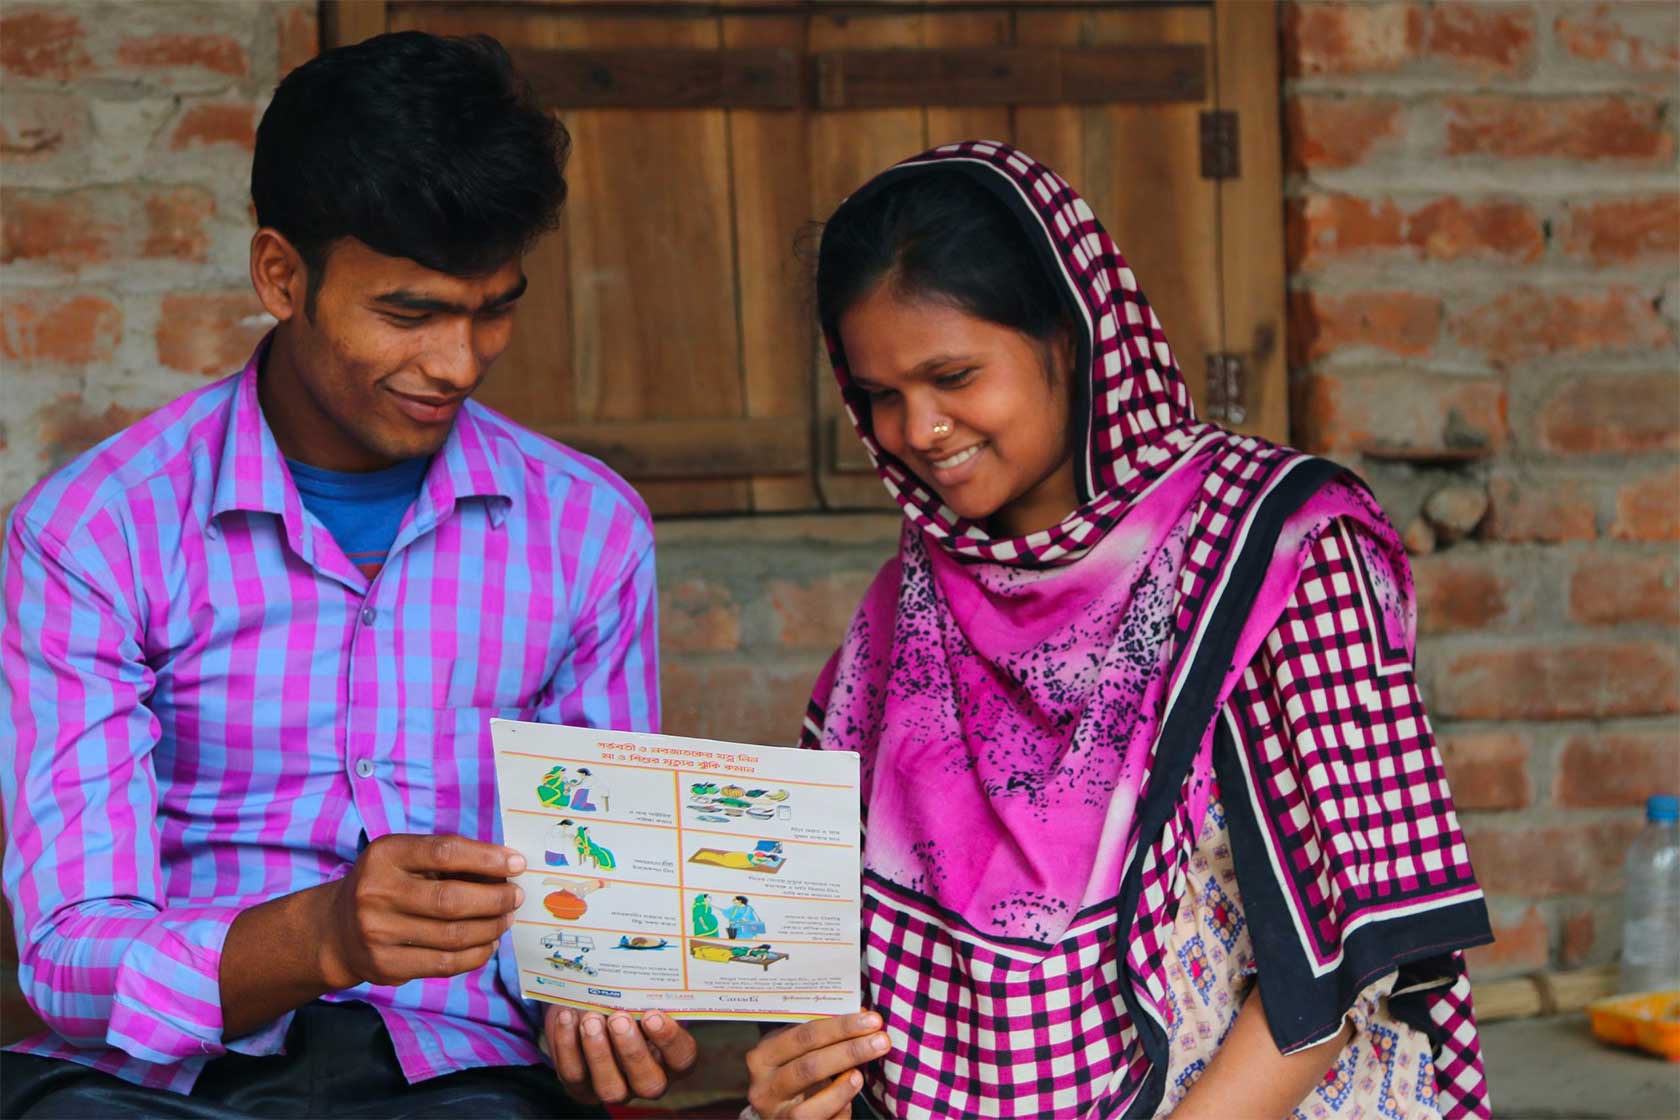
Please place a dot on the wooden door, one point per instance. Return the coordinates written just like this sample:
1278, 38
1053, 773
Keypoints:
669, 324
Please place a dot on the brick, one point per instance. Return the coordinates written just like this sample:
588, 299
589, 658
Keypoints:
1614, 414
66, 229
1332, 132
1396, 322
1648, 509
1574, 128
208, 124
1451, 229
1583, 680
299, 34
1458, 591
1326, 227
1532, 511
1643, 38
698, 615
1626, 231
210, 333
749, 703
1488, 770
68, 427
43, 43
101, 224
1419, 537
38, 126
1399, 415
57, 328
1520, 944
1349, 38
217, 54
1483, 38
1456, 509
1528, 323
175, 224
1580, 934
1611, 769
1613, 589
815, 615
1540, 862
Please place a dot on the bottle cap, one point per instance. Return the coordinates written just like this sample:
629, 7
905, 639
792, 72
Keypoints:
1662, 808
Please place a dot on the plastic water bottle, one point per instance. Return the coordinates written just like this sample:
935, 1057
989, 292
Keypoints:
1651, 928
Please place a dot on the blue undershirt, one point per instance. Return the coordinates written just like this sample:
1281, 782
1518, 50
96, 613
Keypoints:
362, 511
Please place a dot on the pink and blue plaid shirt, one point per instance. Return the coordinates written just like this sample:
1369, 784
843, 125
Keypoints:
209, 706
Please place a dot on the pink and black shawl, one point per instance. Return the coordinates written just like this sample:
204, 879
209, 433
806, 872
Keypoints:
1040, 727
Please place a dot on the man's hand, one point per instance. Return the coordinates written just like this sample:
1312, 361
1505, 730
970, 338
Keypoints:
417, 906
612, 1060
412, 906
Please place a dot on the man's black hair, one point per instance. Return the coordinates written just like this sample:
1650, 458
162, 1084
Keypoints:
417, 145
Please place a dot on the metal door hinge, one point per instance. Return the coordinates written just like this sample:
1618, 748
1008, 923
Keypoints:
1221, 151
1227, 388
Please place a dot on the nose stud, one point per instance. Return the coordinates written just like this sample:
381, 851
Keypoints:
941, 428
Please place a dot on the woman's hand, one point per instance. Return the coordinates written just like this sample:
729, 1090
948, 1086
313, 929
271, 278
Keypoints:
611, 1059
810, 1071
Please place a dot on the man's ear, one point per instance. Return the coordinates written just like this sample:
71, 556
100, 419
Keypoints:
278, 274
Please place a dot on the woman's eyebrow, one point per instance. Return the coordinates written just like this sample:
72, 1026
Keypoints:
920, 369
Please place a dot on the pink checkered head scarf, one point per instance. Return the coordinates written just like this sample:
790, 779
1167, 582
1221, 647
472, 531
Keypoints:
1020, 770
1137, 415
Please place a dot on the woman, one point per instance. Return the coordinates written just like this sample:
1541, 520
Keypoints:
1155, 822
703, 918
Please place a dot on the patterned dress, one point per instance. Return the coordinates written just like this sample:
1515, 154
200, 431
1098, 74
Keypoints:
1385, 1069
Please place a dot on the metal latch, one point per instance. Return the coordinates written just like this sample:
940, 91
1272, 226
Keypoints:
1227, 388
1221, 150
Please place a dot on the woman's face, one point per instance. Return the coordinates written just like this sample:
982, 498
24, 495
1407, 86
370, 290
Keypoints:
978, 410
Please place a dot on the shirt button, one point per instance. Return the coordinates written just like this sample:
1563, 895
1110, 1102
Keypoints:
364, 768
368, 615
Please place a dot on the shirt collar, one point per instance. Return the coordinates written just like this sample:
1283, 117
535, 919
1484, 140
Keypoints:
252, 474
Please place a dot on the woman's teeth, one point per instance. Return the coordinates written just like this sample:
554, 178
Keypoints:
958, 459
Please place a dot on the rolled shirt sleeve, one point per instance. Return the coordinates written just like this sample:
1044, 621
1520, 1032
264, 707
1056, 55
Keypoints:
103, 959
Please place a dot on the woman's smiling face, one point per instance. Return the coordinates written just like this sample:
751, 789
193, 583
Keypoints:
978, 410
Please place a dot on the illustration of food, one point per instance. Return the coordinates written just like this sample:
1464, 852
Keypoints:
703, 789
566, 906
779, 795
732, 791
567, 903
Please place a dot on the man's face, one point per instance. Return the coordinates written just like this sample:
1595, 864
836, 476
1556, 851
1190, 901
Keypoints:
392, 351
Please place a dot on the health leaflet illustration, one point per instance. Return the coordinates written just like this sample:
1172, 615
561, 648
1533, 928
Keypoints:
657, 866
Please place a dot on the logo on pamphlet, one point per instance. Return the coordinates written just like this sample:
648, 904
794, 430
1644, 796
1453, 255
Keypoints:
608, 992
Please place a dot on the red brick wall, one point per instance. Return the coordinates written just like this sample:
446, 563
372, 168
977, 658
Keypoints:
1484, 235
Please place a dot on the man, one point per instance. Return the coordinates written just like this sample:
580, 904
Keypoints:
251, 646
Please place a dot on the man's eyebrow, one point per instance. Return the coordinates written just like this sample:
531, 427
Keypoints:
407, 300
